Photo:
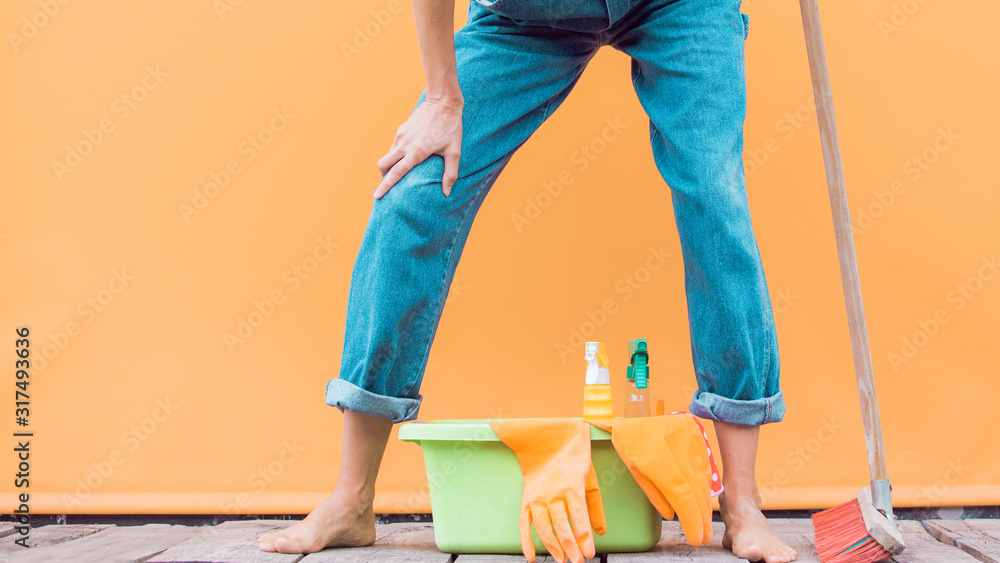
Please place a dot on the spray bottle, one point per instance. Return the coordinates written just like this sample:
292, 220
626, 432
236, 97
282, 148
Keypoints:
637, 401
597, 390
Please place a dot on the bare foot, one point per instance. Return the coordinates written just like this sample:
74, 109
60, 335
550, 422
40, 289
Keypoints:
748, 534
339, 521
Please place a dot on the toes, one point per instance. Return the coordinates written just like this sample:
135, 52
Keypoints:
265, 542
295, 544
286, 545
786, 555
752, 552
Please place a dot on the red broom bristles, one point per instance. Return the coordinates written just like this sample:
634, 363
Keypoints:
841, 536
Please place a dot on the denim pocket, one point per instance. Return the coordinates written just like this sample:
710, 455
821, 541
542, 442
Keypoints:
746, 24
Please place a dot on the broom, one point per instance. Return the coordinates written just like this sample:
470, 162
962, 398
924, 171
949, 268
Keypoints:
864, 529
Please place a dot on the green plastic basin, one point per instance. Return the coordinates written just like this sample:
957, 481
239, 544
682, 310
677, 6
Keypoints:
475, 489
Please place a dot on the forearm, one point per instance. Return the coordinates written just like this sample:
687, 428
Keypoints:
435, 20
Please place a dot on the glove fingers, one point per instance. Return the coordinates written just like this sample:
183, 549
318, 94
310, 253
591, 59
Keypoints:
691, 516
524, 529
697, 472
706, 491
543, 526
654, 495
707, 526
579, 520
595, 503
706, 513
702, 494
559, 514
692, 523
698, 490
620, 440
683, 499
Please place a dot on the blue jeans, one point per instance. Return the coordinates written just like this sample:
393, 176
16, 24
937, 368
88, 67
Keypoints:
517, 61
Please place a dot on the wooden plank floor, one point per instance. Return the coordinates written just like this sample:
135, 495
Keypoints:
930, 541
979, 538
125, 543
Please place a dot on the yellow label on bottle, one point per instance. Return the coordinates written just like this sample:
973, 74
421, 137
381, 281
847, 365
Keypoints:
597, 401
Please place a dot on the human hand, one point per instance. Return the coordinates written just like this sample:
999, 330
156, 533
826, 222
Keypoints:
434, 127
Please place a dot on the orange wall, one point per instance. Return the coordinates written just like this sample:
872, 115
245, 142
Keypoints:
141, 406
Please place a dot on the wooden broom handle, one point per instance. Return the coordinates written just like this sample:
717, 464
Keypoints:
845, 238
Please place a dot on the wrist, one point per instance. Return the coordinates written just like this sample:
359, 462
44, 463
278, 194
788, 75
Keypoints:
442, 87
451, 96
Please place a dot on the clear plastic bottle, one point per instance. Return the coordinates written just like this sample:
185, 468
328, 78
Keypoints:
637, 399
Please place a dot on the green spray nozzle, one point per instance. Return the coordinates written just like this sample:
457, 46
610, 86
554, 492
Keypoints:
638, 369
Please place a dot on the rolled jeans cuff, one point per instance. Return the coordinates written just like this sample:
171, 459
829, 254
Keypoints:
345, 395
732, 411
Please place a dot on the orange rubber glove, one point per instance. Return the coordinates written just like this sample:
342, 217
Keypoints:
561, 496
668, 459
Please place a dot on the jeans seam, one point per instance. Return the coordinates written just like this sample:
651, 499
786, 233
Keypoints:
767, 353
489, 180
545, 112
548, 106
770, 331
551, 100
439, 306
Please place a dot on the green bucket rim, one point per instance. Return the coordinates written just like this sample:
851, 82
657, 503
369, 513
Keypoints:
468, 430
